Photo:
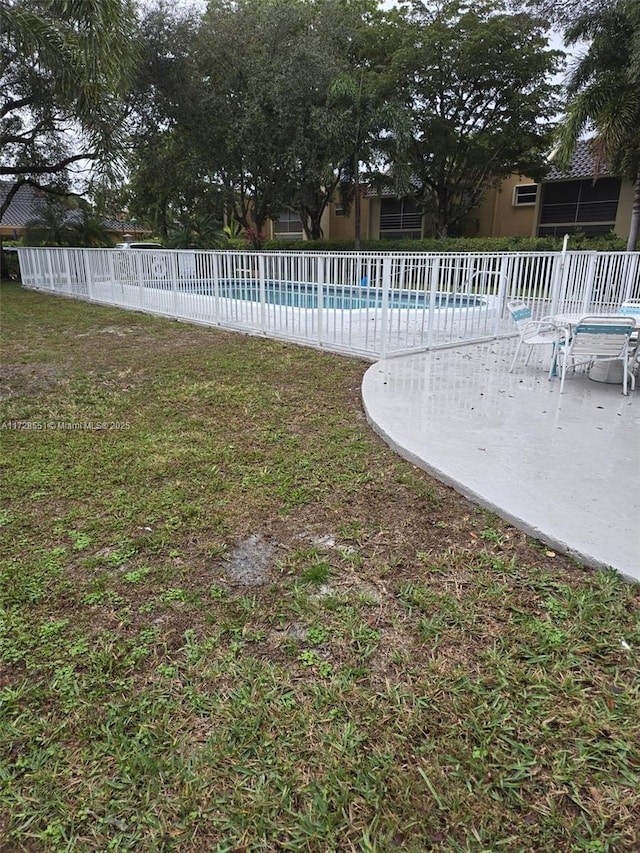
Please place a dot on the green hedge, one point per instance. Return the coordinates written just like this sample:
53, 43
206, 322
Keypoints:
455, 244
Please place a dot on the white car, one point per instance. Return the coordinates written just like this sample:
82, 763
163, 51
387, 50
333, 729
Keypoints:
139, 246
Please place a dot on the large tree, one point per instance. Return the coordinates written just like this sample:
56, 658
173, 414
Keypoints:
604, 94
266, 69
476, 79
169, 183
321, 132
63, 69
343, 109
243, 64
561, 13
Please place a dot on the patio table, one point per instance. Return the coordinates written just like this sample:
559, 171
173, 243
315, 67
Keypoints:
569, 320
565, 321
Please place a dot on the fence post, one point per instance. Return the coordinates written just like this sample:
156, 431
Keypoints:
87, 272
138, 267
175, 272
112, 276
66, 259
384, 319
48, 258
557, 275
217, 258
504, 260
633, 271
320, 280
589, 283
263, 294
435, 278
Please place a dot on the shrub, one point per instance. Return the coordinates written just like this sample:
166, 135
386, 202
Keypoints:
609, 242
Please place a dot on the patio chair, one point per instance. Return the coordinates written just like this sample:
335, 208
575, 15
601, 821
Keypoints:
595, 339
631, 308
532, 332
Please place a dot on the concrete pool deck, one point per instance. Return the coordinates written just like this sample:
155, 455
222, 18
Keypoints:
564, 468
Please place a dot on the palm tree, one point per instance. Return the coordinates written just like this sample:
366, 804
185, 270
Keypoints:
366, 118
62, 65
604, 94
87, 45
56, 223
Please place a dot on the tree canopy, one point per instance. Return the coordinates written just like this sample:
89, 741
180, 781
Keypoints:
169, 177
476, 82
251, 107
280, 103
604, 94
63, 71
267, 70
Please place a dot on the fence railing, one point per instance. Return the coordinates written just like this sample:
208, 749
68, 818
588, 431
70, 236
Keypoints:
373, 304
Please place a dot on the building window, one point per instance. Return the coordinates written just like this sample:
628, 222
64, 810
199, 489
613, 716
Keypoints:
570, 206
399, 219
524, 194
340, 210
288, 225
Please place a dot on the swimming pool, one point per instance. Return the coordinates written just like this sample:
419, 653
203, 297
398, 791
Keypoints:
294, 295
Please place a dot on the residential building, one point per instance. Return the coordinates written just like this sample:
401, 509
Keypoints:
564, 202
27, 205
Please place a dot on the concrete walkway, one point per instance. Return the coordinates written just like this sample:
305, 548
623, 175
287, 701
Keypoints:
564, 468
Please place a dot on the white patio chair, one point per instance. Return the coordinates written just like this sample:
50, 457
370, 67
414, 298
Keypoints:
532, 332
595, 339
631, 308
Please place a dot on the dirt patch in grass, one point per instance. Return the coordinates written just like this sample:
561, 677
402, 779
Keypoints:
250, 562
26, 380
120, 331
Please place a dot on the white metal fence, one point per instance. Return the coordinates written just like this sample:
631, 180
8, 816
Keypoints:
373, 304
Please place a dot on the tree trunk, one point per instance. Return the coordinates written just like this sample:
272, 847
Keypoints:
357, 209
164, 222
258, 236
442, 213
316, 220
634, 230
9, 197
311, 223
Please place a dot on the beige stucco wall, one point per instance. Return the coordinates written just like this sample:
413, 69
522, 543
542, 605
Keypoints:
497, 217
336, 227
343, 227
625, 209
339, 227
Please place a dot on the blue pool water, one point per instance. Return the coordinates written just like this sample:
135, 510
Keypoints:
345, 298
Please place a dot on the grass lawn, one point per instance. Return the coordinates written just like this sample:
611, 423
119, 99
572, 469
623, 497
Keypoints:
232, 619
